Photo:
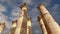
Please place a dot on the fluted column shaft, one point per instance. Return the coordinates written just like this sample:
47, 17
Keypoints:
50, 23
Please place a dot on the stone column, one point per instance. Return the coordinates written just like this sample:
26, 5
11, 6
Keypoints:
50, 23
41, 22
2, 26
22, 20
29, 26
13, 27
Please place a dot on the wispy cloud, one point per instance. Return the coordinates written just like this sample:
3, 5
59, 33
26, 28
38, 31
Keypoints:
15, 13
2, 8
27, 1
3, 17
54, 9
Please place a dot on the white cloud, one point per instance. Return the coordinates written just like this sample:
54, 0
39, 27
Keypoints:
3, 18
15, 13
2, 8
27, 1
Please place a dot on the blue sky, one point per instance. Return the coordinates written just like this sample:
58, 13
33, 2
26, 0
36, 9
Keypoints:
9, 11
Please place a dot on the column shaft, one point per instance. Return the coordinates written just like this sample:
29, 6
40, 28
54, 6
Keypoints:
13, 27
29, 26
50, 23
42, 25
22, 20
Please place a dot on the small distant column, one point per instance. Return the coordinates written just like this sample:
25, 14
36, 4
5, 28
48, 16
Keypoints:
13, 27
51, 25
2, 26
41, 22
29, 31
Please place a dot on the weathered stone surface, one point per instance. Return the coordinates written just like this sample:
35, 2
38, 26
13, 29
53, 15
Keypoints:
50, 23
42, 25
22, 20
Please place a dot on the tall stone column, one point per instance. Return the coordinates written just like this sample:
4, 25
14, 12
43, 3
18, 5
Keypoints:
13, 27
41, 22
2, 26
50, 23
29, 26
22, 20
